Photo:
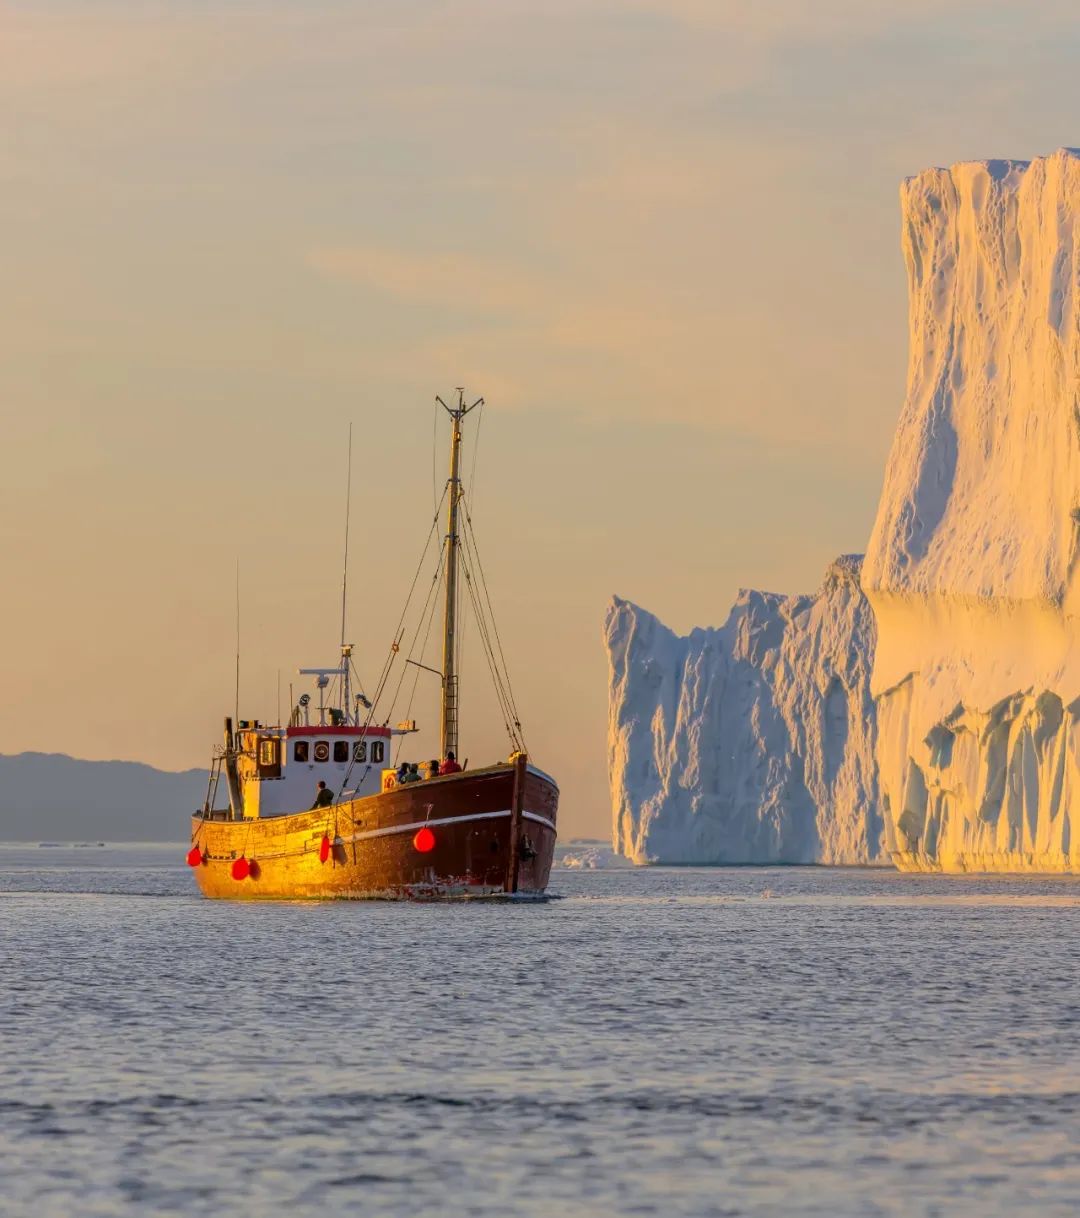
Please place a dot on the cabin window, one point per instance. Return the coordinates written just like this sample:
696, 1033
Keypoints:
300, 751
341, 750
322, 750
359, 752
268, 752
378, 750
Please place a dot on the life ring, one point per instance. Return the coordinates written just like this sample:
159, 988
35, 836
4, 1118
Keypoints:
322, 750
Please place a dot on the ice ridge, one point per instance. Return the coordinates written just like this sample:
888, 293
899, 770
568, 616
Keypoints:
972, 566
750, 743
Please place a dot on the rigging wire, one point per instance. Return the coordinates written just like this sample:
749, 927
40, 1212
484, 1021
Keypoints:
460, 616
499, 680
359, 683
494, 624
395, 647
501, 694
478, 596
431, 599
476, 447
423, 650
462, 625
420, 565
471, 543
434, 455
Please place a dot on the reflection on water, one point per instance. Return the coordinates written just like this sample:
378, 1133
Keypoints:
671, 1042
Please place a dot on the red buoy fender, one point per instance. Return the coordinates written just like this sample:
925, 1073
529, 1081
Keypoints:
424, 841
194, 857
324, 849
240, 868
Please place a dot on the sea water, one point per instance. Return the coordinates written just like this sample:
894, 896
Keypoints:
654, 1041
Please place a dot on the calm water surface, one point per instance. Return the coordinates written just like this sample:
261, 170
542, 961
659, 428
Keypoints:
669, 1042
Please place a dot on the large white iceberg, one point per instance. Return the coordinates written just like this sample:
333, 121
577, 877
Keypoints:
972, 567
751, 743
755, 742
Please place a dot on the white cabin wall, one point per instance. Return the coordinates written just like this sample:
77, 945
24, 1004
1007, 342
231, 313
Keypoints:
295, 790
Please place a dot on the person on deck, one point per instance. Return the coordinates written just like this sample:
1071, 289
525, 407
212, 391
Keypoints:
432, 768
413, 775
402, 770
324, 797
450, 765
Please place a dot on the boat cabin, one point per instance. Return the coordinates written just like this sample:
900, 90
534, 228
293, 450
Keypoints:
279, 768
275, 771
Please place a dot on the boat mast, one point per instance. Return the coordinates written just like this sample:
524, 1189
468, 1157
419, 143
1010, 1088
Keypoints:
449, 726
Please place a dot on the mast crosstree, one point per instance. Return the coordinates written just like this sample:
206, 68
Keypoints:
449, 721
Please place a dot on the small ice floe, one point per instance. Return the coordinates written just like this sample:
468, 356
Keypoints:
588, 855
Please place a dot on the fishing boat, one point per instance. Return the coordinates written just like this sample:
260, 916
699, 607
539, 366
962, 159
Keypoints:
375, 830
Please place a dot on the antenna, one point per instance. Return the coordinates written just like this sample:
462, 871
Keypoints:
237, 703
346, 654
348, 512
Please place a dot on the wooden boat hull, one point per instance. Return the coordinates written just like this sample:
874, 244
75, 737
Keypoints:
369, 848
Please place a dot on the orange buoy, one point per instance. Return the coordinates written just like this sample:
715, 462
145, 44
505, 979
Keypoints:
424, 841
324, 849
241, 868
194, 857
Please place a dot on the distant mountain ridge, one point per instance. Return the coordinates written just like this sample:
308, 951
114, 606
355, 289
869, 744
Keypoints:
54, 797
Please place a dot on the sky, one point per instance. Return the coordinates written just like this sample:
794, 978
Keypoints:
660, 239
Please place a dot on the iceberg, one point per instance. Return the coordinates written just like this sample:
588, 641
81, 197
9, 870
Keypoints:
751, 743
586, 854
929, 703
972, 565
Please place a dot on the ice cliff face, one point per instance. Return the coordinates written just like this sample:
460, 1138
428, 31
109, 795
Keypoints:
972, 567
752, 743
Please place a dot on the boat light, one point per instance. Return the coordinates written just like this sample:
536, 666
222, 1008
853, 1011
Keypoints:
241, 868
194, 857
424, 841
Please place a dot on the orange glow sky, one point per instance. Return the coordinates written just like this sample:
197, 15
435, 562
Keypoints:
661, 239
